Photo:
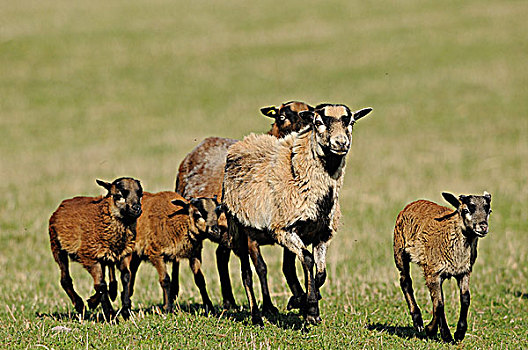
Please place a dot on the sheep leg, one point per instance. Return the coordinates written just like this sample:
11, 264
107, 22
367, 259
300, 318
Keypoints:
320, 266
101, 291
463, 284
175, 281
288, 268
243, 254
222, 263
439, 320
124, 268
293, 242
402, 263
135, 261
195, 263
164, 280
61, 257
262, 272
112, 283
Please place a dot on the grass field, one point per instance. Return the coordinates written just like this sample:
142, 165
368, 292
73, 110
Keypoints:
99, 89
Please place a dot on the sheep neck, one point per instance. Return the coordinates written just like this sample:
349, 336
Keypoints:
307, 153
119, 234
463, 245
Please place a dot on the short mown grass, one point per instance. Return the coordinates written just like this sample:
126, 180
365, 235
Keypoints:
126, 88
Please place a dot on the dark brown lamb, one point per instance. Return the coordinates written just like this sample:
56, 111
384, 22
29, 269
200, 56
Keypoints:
170, 229
444, 243
201, 173
97, 232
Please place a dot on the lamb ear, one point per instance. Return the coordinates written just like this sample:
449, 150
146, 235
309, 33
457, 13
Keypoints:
487, 196
270, 111
180, 203
307, 116
361, 113
104, 184
451, 199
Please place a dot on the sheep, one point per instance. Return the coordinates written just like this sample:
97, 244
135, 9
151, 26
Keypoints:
97, 232
201, 173
444, 243
173, 228
286, 191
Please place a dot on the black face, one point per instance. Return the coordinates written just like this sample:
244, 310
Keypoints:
475, 211
205, 216
126, 194
287, 119
333, 125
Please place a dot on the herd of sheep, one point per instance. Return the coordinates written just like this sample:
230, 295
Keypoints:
278, 188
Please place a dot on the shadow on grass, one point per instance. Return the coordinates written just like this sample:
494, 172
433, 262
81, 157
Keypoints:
290, 320
93, 316
521, 295
402, 332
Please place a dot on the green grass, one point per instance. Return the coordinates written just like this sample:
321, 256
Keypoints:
105, 89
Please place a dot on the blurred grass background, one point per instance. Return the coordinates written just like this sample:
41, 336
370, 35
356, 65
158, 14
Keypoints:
126, 88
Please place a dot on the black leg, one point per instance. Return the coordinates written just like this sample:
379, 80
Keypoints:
290, 273
465, 299
222, 263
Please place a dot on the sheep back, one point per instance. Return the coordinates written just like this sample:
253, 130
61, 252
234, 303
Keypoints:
163, 228
201, 172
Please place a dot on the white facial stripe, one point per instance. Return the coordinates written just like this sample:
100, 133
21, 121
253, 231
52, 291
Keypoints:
349, 128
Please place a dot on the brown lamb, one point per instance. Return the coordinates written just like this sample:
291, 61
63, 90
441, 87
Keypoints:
170, 229
444, 243
286, 191
201, 173
97, 232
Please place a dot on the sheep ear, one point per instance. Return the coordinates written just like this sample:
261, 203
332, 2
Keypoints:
487, 196
106, 185
271, 111
451, 199
180, 203
307, 116
361, 113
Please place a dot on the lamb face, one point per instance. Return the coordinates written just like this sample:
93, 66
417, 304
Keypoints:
126, 196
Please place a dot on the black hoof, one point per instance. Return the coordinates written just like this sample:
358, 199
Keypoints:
209, 309
313, 319
270, 309
295, 302
167, 309
230, 305
459, 336
431, 331
257, 321
418, 322
94, 301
